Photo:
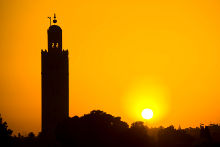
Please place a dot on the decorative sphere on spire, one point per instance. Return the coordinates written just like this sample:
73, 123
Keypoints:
54, 21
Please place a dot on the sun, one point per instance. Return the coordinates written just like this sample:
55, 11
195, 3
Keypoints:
147, 113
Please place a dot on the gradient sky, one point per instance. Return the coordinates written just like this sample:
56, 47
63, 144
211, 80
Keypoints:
124, 56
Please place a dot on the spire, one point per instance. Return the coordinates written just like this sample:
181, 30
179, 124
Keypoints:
54, 20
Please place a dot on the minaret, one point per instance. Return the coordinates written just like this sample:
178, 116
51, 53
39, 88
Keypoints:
55, 81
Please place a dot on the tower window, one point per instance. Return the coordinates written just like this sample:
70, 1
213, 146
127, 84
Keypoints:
53, 45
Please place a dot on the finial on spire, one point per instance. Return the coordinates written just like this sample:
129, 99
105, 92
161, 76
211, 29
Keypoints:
54, 21
50, 20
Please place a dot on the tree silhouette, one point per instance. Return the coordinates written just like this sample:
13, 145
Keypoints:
5, 134
101, 129
94, 129
138, 134
171, 137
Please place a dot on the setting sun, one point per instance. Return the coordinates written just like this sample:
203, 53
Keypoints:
147, 113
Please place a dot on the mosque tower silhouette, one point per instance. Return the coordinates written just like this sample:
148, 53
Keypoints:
55, 81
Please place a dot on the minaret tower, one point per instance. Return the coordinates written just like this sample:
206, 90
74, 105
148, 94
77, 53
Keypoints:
55, 80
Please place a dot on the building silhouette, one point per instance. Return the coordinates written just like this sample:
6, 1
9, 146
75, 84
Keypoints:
55, 81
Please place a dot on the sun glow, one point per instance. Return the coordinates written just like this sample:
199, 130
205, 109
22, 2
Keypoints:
147, 93
147, 113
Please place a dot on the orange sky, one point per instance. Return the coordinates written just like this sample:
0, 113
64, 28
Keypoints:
124, 56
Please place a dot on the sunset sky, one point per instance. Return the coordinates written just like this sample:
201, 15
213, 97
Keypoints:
124, 56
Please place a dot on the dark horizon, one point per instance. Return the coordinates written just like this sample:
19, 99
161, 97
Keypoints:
101, 129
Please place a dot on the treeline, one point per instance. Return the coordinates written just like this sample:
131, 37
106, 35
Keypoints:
99, 129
